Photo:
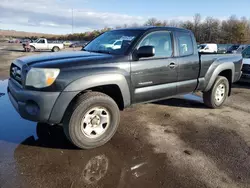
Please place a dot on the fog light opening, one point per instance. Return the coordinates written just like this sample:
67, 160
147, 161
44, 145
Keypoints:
32, 108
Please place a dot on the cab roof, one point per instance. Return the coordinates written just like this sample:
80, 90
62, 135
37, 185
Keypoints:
149, 28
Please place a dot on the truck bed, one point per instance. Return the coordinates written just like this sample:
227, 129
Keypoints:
207, 59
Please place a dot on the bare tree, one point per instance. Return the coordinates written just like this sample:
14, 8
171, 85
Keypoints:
197, 26
174, 23
135, 25
211, 30
153, 22
188, 25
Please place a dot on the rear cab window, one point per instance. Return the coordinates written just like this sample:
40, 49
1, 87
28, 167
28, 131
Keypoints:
184, 43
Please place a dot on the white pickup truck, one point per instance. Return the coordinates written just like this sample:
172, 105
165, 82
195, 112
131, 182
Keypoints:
42, 44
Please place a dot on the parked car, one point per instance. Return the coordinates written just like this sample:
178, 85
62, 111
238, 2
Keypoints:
222, 48
114, 44
246, 65
67, 43
26, 40
208, 48
4, 39
78, 44
42, 44
84, 91
14, 41
233, 48
240, 49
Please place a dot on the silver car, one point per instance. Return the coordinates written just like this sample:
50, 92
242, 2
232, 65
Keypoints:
246, 65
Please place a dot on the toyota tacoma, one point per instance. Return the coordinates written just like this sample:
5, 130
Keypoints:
85, 91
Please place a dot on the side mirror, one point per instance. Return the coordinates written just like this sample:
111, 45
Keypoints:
146, 51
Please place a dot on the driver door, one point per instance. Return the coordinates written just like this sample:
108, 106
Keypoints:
41, 45
155, 77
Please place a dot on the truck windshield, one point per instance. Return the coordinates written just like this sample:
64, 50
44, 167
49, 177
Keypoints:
35, 41
202, 46
108, 42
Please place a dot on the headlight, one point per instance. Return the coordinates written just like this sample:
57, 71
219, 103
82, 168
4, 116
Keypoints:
40, 78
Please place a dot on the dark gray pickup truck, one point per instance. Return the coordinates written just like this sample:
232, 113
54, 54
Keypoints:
84, 91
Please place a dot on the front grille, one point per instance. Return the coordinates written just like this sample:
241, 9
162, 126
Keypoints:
246, 68
16, 73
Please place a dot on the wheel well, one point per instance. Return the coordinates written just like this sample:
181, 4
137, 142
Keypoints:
228, 75
111, 90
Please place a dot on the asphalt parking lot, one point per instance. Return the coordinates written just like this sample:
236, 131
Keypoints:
9, 52
172, 143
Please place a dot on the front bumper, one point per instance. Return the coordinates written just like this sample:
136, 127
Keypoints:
47, 107
32, 105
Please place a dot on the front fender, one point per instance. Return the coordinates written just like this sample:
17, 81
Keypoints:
86, 83
215, 70
101, 80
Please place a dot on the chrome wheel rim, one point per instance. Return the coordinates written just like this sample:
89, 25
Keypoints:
95, 122
220, 93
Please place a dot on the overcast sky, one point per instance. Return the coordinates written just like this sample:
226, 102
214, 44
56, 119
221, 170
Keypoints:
55, 16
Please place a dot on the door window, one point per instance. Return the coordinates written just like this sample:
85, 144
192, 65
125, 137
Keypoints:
185, 43
161, 41
42, 41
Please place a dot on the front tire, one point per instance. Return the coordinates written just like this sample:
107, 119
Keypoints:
92, 120
217, 95
32, 49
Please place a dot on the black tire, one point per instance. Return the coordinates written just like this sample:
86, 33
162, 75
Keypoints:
55, 49
32, 49
209, 96
43, 130
75, 113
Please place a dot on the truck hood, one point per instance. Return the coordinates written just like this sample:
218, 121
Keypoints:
60, 58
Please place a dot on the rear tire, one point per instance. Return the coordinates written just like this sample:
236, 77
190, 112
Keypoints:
92, 120
217, 95
55, 49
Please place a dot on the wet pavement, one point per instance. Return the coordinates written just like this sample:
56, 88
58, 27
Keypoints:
172, 143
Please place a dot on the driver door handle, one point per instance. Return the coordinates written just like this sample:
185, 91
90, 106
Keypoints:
172, 65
